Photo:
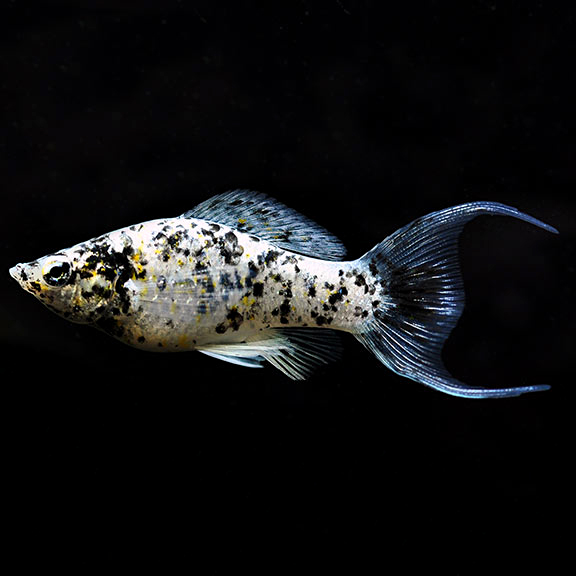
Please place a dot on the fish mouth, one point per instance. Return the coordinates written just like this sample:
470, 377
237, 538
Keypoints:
15, 272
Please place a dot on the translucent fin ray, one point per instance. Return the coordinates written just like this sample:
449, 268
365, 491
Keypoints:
424, 297
295, 352
262, 216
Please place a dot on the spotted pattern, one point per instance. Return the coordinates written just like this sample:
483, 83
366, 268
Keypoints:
180, 283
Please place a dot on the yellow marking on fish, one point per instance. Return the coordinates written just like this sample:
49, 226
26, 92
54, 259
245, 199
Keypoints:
241, 220
139, 270
183, 340
248, 301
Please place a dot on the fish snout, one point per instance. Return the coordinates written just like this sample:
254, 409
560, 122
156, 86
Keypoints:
16, 272
21, 273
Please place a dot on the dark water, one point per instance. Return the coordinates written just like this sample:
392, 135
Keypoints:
363, 116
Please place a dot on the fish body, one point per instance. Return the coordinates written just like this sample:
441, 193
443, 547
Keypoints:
243, 278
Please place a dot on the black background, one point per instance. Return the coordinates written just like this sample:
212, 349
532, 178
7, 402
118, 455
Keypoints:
363, 116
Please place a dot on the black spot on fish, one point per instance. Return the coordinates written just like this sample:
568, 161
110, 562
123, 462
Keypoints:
230, 250
287, 292
361, 281
322, 320
101, 291
311, 291
125, 306
271, 257
285, 308
258, 289
221, 328
107, 272
234, 318
225, 280
337, 296
141, 339
207, 284
174, 240
359, 312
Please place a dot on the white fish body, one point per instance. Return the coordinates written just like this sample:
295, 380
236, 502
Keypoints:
244, 278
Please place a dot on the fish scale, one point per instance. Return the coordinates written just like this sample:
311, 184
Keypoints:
225, 297
246, 279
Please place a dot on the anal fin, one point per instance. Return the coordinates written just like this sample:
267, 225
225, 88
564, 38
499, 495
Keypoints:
234, 354
294, 351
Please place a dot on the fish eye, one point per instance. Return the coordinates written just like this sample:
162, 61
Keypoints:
56, 272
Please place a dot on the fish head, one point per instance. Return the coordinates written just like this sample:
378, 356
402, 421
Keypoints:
68, 283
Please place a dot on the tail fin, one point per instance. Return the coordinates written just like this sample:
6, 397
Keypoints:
423, 297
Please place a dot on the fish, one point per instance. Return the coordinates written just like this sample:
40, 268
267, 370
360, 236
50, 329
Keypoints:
244, 278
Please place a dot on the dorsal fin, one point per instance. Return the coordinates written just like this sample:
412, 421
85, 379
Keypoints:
258, 214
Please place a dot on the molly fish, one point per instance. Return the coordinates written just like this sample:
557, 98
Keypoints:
246, 279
